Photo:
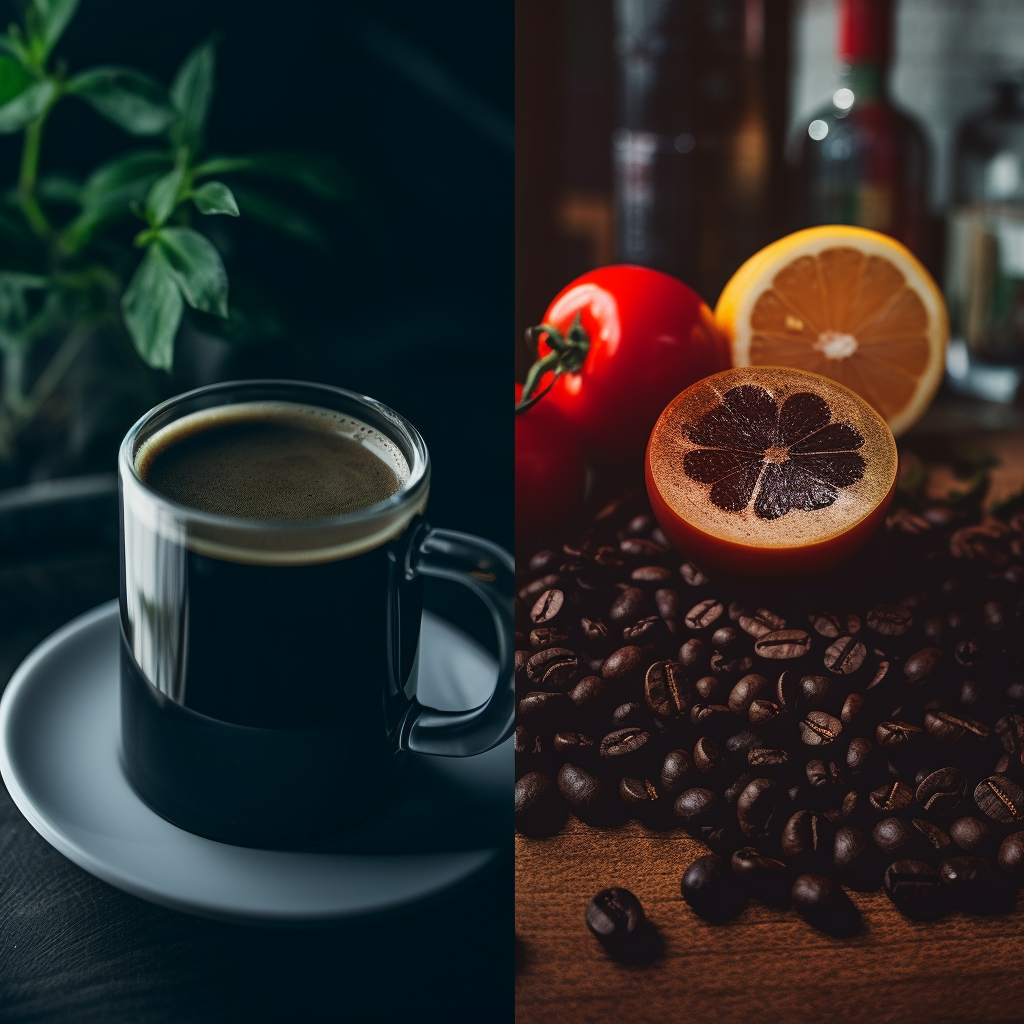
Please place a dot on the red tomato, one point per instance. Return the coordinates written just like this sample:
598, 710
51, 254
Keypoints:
550, 470
651, 337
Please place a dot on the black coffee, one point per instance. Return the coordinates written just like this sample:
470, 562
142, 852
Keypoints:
300, 671
277, 464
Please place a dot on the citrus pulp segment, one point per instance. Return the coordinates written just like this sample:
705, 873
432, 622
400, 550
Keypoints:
764, 470
848, 303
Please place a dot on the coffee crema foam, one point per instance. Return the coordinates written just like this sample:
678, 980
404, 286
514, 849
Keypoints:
284, 482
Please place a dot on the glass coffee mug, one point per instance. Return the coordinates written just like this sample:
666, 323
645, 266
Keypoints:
268, 667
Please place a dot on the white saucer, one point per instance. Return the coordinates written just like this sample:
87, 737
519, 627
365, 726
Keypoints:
59, 756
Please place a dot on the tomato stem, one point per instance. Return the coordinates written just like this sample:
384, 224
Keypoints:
567, 355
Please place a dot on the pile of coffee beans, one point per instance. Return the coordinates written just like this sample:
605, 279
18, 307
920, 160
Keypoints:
862, 729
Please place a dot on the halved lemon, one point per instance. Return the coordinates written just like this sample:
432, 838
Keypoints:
767, 470
848, 303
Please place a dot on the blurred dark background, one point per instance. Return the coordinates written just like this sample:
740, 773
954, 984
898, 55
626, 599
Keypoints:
411, 302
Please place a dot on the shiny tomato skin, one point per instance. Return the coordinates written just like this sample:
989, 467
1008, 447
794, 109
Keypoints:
550, 470
651, 337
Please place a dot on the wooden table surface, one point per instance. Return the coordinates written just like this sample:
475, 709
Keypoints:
768, 966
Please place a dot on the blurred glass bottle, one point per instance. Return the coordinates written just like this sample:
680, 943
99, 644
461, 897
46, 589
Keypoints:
985, 251
862, 160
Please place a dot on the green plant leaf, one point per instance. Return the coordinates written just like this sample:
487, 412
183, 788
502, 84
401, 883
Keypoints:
191, 92
14, 79
11, 48
54, 17
152, 307
163, 196
14, 311
326, 178
281, 217
124, 170
59, 188
198, 269
215, 197
132, 100
26, 106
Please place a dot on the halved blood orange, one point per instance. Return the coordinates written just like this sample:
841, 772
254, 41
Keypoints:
851, 304
767, 470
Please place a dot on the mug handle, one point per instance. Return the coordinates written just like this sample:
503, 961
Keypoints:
488, 570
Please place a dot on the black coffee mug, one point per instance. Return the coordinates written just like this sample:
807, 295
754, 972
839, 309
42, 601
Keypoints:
268, 669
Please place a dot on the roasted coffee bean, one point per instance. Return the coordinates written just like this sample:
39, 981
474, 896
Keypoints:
970, 834
845, 656
630, 713
543, 561
692, 575
831, 625
582, 790
642, 631
765, 878
824, 905
638, 547
762, 712
739, 744
813, 690
691, 653
819, 729
553, 668
1010, 730
950, 727
638, 791
933, 835
817, 774
627, 606
547, 607
622, 662
651, 574
941, 791
732, 792
640, 525
547, 636
614, 914
956, 621
708, 687
758, 807
522, 742
970, 692
894, 836
921, 665
890, 619
883, 672
934, 629
715, 719
993, 616
539, 810
855, 859
712, 890
665, 690
573, 744
916, 890
765, 757
806, 835
974, 886
726, 665
704, 614
676, 768
761, 623
1011, 856
896, 734
787, 690
587, 691
1015, 693
667, 603
969, 653
746, 690
624, 743
893, 796
851, 708
783, 644
706, 757
724, 638
594, 630
695, 807
1002, 766
533, 590
1000, 798
862, 756
541, 707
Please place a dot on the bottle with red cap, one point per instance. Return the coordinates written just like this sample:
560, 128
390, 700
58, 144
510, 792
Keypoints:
862, 160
